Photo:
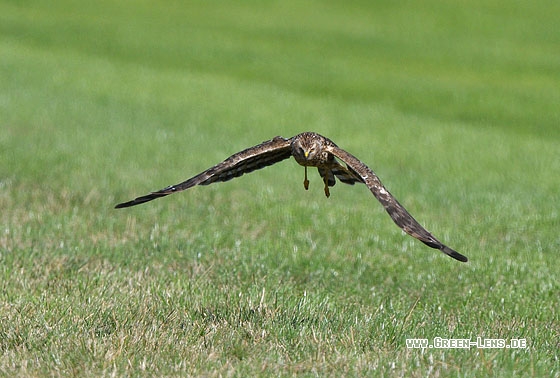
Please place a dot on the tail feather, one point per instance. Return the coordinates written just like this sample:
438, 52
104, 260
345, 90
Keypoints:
325, 172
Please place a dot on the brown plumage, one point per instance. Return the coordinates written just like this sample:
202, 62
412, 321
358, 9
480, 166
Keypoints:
309, 150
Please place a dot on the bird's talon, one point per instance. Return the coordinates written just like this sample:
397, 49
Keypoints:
327, 192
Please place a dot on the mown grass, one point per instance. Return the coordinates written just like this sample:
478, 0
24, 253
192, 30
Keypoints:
454, 105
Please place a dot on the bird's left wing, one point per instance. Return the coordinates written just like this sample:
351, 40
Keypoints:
398, 213
248, 160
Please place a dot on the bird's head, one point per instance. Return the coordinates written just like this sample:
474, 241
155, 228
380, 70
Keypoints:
307, 149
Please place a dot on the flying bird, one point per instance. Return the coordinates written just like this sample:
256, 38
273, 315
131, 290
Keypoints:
309, 150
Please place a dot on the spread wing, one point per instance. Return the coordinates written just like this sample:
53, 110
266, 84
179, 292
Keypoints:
397, 212
248, 160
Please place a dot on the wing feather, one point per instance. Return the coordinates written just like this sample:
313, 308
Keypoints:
396, 211
346, 175
248, 160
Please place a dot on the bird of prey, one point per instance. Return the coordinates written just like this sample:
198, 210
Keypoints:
310, 150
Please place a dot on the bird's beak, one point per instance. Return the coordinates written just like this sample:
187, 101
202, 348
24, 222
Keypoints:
306, 154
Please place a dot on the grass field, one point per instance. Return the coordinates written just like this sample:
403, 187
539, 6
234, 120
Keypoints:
455, 105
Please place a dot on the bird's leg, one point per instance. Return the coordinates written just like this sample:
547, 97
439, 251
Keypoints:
305, 180
326, 181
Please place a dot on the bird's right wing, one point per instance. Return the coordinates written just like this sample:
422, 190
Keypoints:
248, 160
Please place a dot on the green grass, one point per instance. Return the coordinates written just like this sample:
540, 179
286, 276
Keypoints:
453, 104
